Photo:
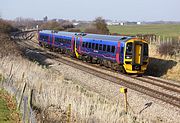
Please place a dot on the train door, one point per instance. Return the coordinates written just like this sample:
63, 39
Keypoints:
121, 57
72, 44
138, 52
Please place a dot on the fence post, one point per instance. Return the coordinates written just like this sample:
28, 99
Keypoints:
29, 104
21, 96
69, 113
124, 90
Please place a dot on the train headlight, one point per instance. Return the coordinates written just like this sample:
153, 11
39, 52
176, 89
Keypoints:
128, 57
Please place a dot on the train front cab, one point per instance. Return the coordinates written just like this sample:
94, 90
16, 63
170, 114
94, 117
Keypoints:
136, 56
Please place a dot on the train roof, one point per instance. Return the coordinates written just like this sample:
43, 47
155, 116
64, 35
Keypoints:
107, 37
58, 32
88, 35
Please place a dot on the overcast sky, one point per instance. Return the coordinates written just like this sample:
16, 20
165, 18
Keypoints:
125, 10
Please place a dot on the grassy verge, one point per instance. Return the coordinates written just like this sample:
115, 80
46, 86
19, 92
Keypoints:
8, 113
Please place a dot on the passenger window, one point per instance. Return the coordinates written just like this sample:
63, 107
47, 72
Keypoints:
86, 44
104, 47
46, 37
93, 45
108, 48
100, 46
89, 45
112, 49
129, 47
57, 40
96, 48
83, 45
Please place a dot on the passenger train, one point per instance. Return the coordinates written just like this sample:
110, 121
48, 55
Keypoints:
122, 53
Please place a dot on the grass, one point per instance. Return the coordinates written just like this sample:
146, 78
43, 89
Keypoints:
167, 30
8, 113
4, 111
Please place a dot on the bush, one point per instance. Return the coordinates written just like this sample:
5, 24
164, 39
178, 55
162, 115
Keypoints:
169, 48
6, 27
52, 25
67, 24
8, 47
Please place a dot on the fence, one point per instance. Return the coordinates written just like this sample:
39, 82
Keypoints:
23, 100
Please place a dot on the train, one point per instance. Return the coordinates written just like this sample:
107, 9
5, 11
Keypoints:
126, 54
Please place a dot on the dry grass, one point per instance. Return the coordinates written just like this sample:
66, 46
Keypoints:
51, 90
164, 65
8, 47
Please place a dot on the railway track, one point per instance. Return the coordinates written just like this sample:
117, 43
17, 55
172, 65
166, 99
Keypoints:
165, 97
134, 86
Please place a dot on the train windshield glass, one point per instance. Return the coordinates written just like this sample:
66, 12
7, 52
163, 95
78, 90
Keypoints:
145, 50
129, 47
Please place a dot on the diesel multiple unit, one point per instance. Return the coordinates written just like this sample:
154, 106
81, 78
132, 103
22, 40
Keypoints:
122, 53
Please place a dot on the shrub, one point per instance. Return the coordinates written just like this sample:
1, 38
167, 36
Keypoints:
8, 47
52, 25
6, 27
169, 48
67, 24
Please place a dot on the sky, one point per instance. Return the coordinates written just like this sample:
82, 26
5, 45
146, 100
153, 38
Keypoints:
123, 10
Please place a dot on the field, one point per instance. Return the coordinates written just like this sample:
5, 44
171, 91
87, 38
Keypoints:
166, 30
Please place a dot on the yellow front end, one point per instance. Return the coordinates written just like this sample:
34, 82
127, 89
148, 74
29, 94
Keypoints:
136, 56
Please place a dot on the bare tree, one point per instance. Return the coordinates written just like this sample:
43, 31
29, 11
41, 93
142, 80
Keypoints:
101, 25
98, 26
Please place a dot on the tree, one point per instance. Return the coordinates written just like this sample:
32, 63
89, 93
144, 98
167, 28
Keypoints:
98, 26
101, 25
